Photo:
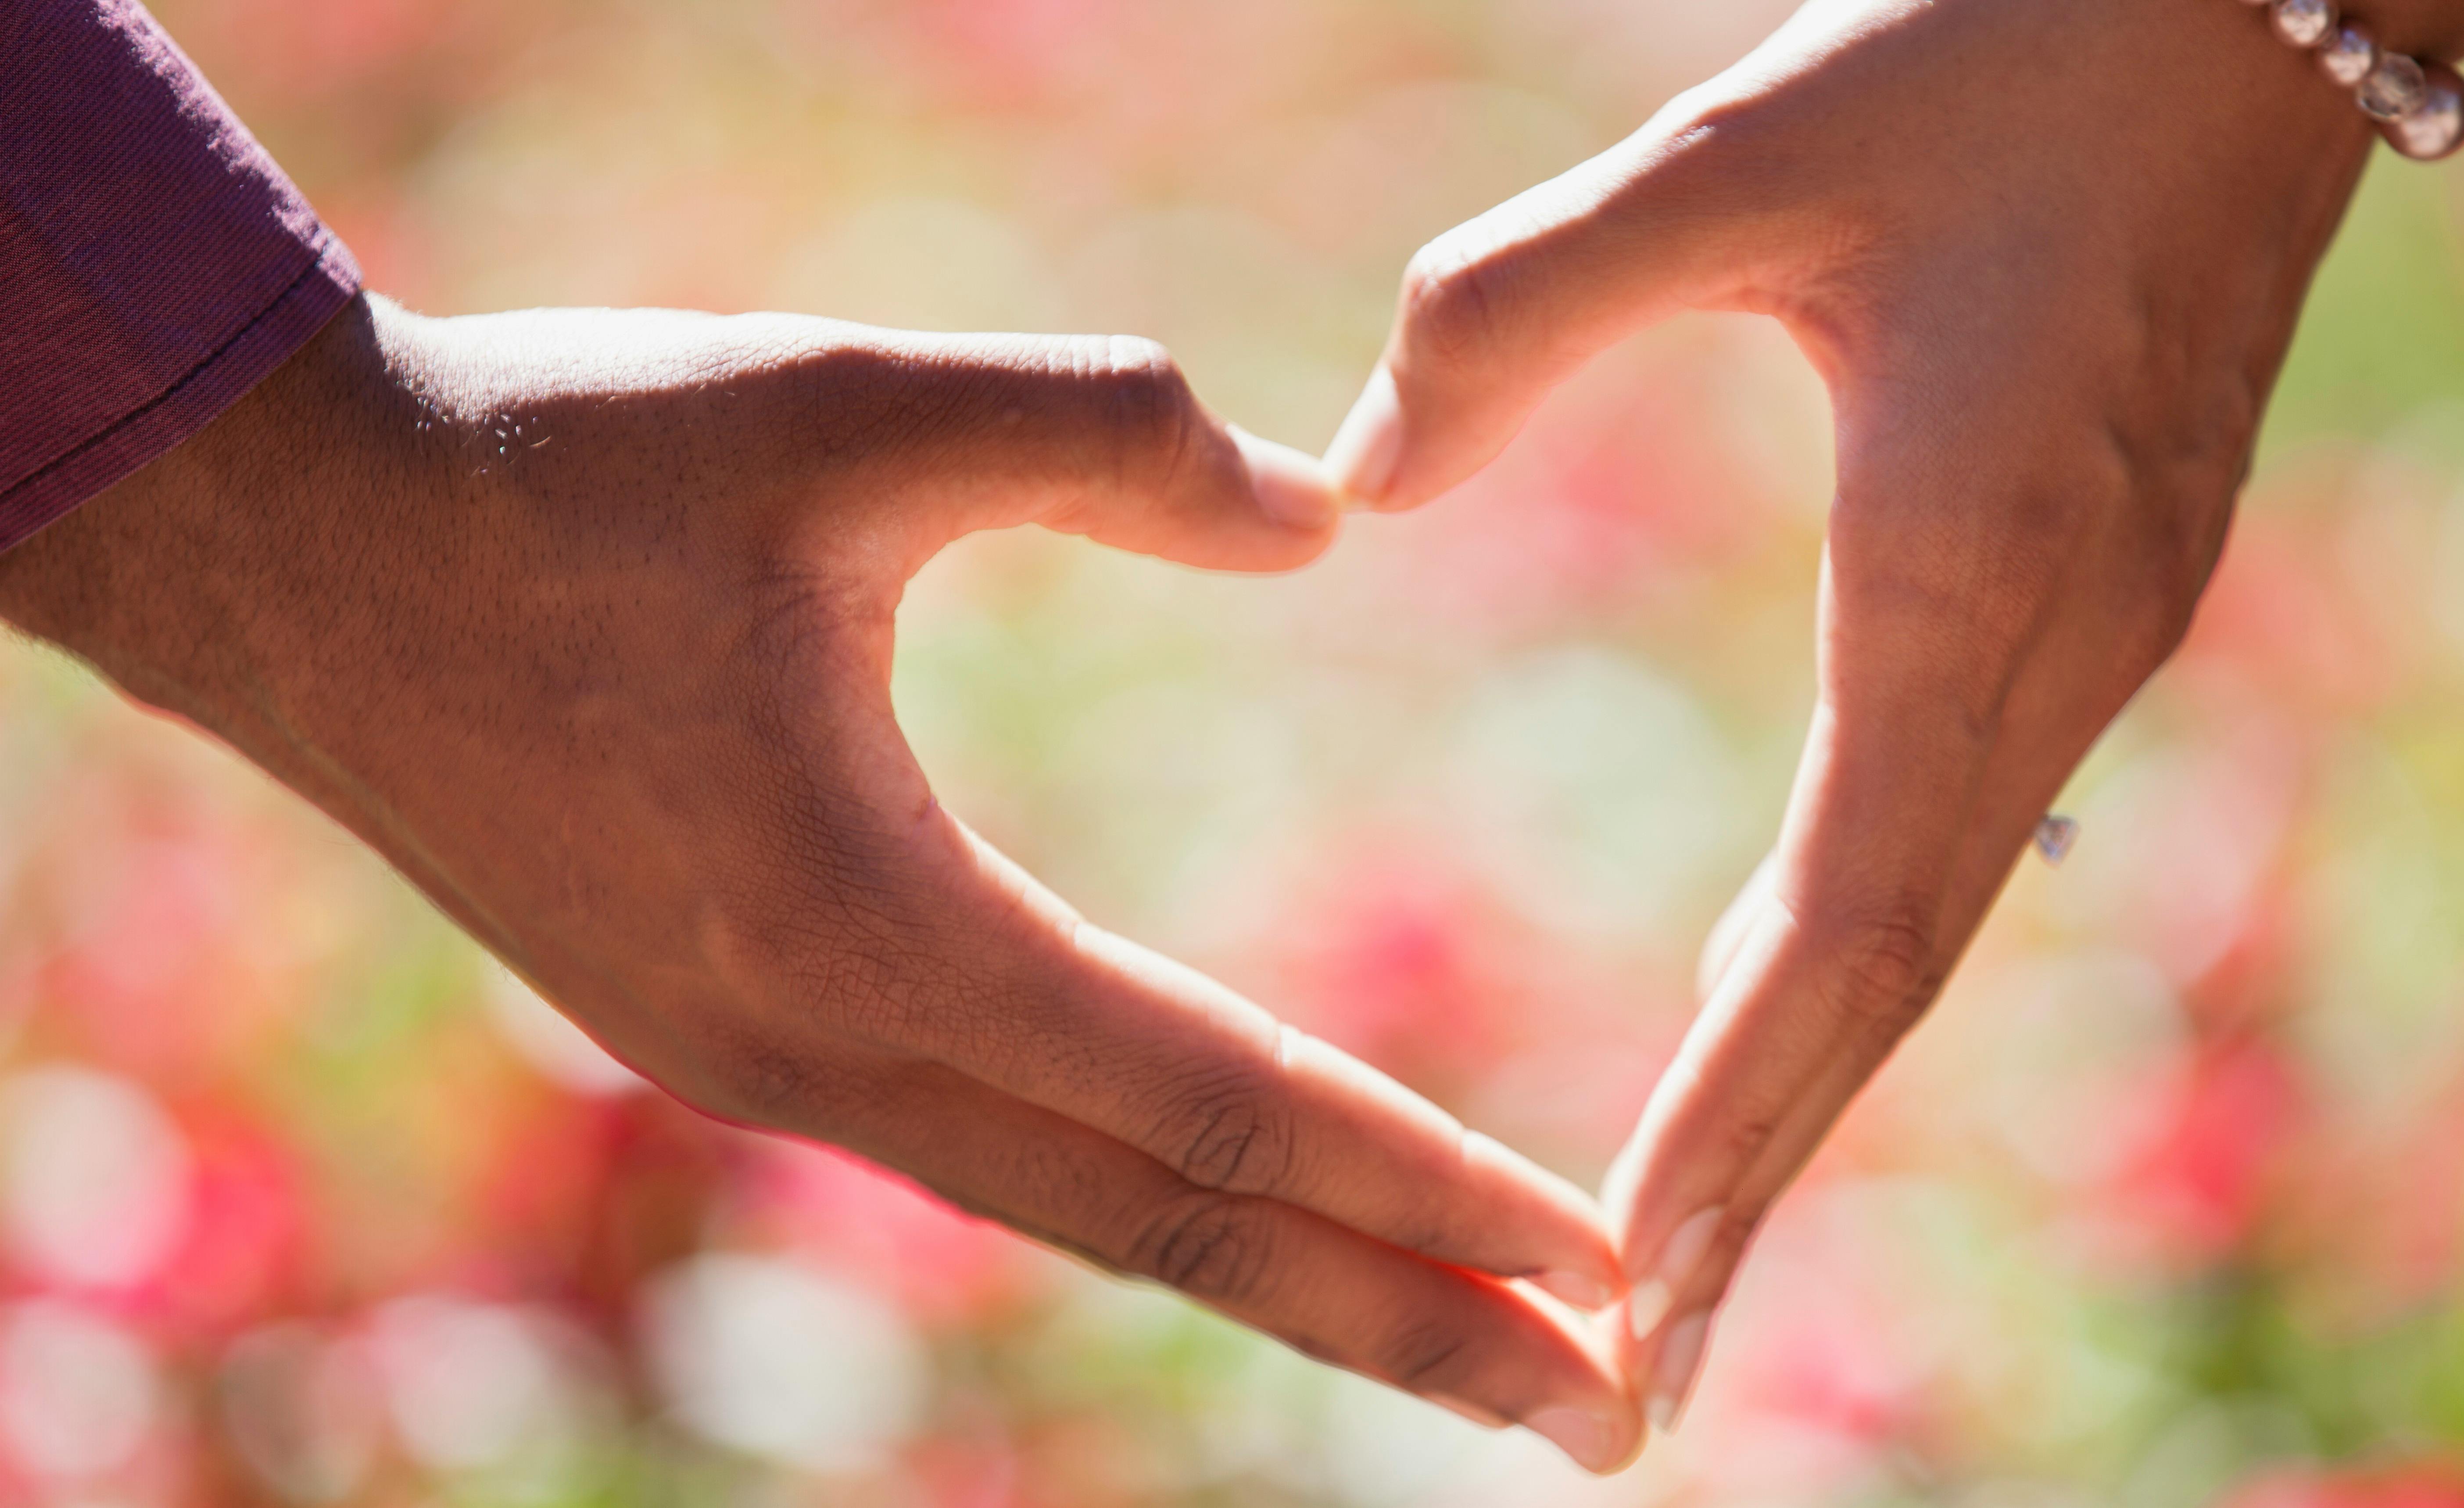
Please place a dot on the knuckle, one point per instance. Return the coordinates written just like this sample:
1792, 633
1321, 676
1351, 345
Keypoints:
1221, 1127
2178, 564
1213, 1246
840, 967
1423, 1355
1744, 1138
854, 953
1145, 403
746, 1072
1453, 296
1883, 972
2158, 630
1138, 361
1140, 386
1230, 1135
756, 1076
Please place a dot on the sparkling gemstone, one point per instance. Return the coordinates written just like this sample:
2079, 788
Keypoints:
2056, 836
2394, 86
2304, 23
2435, 128
2348, 55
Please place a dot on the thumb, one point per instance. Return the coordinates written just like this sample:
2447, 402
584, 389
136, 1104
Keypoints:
1502, 308
1099, 435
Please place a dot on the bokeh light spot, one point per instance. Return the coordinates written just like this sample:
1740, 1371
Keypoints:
99, 1178
781, 1362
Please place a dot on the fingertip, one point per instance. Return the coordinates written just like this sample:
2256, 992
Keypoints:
1595, 1442
1589, 1409
1576, 1289
1603, 1431
1676, 1370
1484, 1417
1637, 1435
1370, 443
1291, 486
1567, 1231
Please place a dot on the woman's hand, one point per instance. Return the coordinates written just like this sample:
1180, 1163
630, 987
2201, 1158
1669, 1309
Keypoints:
2048, 256
584, 619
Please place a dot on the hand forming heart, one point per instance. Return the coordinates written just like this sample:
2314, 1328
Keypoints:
2048, 255
584, 619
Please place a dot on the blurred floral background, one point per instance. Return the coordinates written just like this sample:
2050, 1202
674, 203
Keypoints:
303, 1202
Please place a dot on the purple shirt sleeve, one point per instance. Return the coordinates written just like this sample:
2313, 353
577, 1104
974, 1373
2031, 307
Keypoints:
154, 263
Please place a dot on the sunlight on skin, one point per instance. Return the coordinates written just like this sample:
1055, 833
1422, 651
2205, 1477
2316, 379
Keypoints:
677, 542
2048, 383
1353, 794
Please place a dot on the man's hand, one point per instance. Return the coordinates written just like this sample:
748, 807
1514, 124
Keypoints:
2048, 255
585, 620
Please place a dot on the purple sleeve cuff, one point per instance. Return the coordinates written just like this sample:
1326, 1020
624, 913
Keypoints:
154, 263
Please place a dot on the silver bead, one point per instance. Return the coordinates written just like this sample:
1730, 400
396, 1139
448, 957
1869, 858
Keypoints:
2393, 87
2348, 57
2435, 128
2304, 23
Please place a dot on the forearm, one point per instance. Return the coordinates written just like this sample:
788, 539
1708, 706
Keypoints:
180, 582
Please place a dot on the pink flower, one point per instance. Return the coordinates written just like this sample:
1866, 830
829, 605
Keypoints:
248, 1246
2223, 1119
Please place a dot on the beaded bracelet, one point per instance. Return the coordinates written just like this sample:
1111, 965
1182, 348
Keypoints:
2419, 107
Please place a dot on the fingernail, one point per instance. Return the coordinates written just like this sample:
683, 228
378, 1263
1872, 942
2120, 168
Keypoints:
1470, 1410
1686, 1246
1362, 458
1583, 1292
1590, 1439
1646, 1306
1291, 487
1672, 1377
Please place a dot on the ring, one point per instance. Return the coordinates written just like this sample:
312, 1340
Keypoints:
2056, 835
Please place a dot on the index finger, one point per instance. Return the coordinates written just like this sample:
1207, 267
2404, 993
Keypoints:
1829, 972
1157, 1055
1035, 1003
1479, 1346
1498, 310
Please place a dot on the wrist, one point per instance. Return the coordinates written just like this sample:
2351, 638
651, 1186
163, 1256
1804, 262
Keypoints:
2394, 65
2430, 29
190, 581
